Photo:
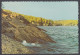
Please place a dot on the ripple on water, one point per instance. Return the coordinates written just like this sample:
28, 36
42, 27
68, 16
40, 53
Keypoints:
66, 38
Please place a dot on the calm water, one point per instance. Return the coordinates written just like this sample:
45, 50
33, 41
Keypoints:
66, 38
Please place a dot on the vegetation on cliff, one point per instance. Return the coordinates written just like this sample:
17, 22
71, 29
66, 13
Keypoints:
39, 21
45, 22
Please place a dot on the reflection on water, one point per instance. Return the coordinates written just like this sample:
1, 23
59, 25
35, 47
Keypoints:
66, 38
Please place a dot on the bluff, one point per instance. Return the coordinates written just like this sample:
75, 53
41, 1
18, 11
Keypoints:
39, 21
17, 27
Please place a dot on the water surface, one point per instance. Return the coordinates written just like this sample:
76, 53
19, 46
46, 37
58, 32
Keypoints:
66, 38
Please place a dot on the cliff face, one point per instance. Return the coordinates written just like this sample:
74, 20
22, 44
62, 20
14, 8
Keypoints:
18, 28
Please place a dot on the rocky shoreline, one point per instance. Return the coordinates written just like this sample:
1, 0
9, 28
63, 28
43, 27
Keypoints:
15, 29
11, 46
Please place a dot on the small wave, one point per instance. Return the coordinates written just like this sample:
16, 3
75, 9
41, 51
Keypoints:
30, 44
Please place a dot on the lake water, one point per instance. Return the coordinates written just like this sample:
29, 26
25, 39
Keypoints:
66, 38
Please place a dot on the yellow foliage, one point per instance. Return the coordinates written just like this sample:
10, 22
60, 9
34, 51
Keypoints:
39, 21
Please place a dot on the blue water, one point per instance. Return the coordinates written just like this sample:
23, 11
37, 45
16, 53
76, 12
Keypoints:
66, 38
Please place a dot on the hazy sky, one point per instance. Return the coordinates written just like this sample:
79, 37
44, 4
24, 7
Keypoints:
67, 10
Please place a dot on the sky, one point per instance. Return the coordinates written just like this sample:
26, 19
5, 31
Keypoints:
64, 10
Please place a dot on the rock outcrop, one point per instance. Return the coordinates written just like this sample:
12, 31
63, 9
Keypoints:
11, 46
15, 29
18, 28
